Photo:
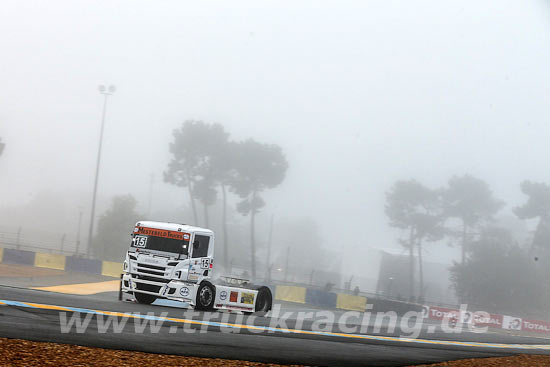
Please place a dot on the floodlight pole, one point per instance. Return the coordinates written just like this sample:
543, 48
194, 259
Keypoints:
106, 93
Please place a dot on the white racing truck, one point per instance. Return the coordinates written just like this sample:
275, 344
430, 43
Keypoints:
176, 262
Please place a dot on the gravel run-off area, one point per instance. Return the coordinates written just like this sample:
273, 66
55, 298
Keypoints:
17, 352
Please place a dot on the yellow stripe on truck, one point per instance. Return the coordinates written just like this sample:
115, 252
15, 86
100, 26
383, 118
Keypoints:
111, 269
1, 254
349, 302
50, 261
290, 293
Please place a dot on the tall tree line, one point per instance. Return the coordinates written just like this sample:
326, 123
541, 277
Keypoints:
456, 211
206, 162
493, 270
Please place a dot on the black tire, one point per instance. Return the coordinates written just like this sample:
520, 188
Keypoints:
264, 300
206, 295
145, 299
120, 296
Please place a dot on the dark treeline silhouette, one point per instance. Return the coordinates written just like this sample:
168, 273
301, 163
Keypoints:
494, 271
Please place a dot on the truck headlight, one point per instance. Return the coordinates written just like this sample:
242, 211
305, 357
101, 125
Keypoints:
125, 266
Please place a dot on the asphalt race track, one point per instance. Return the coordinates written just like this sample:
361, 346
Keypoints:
35, 315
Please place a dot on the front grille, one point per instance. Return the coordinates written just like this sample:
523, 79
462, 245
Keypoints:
153, 279
148, 287
152, 272
154, 267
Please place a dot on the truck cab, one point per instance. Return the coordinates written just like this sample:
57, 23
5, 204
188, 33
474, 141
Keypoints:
176, 262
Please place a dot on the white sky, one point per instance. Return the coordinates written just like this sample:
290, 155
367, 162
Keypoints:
358, 94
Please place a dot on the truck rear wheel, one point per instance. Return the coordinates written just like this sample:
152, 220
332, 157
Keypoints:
146, 299
206, 295
264, 300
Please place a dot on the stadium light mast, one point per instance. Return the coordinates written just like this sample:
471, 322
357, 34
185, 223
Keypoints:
106, 91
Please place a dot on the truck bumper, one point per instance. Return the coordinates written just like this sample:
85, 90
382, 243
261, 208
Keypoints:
173, 290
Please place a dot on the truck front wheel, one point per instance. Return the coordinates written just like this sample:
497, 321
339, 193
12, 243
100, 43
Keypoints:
146, 299
206, 295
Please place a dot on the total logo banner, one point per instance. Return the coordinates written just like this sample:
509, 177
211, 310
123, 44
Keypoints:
536, 326
440, 313
481, 319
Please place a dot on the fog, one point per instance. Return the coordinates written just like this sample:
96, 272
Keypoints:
358, 94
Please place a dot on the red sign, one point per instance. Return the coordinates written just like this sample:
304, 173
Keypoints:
536, 326
440, 313
481, 319
488, 319
162, 233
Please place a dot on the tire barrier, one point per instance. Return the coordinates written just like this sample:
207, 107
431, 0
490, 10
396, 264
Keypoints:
290, 293
60, 262
321, 298
111, 269
50, 261
352, 303
83, 265
20, 257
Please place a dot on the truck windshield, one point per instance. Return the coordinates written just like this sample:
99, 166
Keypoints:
161, 244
